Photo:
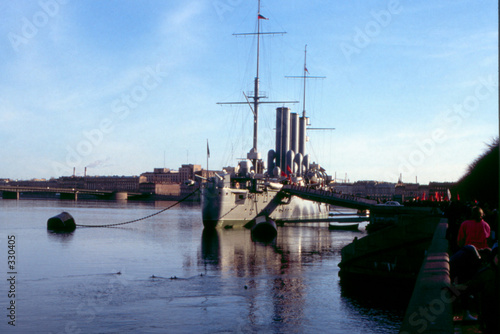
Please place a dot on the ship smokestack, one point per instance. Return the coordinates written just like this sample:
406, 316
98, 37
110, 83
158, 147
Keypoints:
85, 172
278, 138
294, 132
302, 135
290, 156
271, 156
305, 163
282, 136
298, 164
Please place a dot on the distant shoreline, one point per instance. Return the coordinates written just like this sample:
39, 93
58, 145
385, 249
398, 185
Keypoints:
144, 198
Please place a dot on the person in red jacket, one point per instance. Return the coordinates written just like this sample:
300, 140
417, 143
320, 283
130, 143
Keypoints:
474, 231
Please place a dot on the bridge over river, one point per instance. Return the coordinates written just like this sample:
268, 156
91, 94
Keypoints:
13, 192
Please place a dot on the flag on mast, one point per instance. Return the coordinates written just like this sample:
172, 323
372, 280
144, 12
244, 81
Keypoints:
208, 156
262, 17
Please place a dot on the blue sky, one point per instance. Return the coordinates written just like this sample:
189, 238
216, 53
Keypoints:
122, 87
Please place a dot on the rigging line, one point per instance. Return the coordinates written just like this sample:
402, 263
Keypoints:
311, 147
234, 207
143, 218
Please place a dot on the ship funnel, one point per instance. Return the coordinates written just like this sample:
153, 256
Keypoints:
303, 122
298, 162
282, 136
305, 164
271, 156
290, 156
294, 132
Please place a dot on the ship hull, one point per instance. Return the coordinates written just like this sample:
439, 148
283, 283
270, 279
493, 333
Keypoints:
223, 207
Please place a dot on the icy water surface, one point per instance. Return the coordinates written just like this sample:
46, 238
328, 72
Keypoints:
168, 275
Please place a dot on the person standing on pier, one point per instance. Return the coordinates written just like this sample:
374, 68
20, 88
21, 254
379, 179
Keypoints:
474, 231
485, 285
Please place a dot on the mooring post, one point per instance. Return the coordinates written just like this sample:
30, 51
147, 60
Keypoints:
72, 196
120, 196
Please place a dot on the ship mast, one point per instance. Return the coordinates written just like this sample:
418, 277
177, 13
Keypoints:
256, 96
304, 120
305, 73
304, 77
253, 155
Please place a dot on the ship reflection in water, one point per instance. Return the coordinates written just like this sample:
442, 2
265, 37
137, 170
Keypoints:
292, 284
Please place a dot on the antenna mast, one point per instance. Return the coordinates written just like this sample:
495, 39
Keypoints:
256, 96
253, 154
304, 77
305, 73
304, 121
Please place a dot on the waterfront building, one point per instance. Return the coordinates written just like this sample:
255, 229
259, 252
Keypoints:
382, 191
113, 183
166, 175
440, 190
187, 172
407, 191
77, 182
161, 175
423, 190
34, 183
401, 192
164, 181
343, 188
109, 183
164, 189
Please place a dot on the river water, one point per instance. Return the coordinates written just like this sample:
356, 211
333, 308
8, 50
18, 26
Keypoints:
167, 275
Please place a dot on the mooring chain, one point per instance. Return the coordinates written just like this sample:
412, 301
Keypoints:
143, 218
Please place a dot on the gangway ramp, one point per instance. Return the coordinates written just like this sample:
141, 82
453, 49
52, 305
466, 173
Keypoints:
329, 197
324, 196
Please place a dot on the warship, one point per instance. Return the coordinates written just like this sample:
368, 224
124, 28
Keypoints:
235, 197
